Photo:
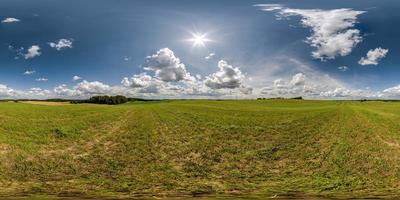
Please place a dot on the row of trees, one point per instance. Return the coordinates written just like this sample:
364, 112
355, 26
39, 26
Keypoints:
110, 100
279, 98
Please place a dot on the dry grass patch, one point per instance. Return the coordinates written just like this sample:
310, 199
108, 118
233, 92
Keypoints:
47, 103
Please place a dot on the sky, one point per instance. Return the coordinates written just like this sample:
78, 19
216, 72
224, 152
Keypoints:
344, 49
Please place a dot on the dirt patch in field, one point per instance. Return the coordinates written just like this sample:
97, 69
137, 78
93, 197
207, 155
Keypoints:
4, 148
47, 103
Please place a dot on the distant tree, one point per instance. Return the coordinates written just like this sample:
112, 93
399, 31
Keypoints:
110, 100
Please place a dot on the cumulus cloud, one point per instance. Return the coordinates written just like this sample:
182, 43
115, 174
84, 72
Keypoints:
63, 91
169, 80
10, 20
301, 85
343, 68
166, 66
344, 93
137, 81
209, 56
91, 88
29, 72
85, 89
36, 93
296, 86
392, 92
39, 93
42, 79
76, 78
298, 79
227, 77
373, 56
333, 31
61, 44
6, 92
33, 51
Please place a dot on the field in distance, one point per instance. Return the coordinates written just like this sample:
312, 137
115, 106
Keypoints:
274, 147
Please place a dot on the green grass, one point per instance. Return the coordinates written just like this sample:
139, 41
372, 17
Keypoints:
330, 148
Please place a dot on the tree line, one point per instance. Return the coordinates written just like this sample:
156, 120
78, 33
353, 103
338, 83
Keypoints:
110, 100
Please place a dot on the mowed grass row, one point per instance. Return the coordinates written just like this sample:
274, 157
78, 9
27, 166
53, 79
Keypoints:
199, 146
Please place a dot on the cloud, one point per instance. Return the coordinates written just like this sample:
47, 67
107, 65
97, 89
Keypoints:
33, 51
137, 81
209, 56
61, 44
76, 78
344, 93
270, 7
170, 78
298, 79
17, 51
42, 79
10, 20
63, 91
6, 92
91, 88
166, 66
39, 93
392, 92
313, 88
373, 56
227, 77
333, 31
296, 86
29, 72
343, 68
85, 89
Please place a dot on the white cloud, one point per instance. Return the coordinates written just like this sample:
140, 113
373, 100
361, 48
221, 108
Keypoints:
10, 20
392, 92
39, 93
170, 78
312, 87
343, 68
85, 89
61, 44
209, 56
33, 51
298, 79
76, 78
42, 79
137, 81
29, 72
296, 86
373, 56
333, 31
6, 92
17, 51
91, 88
344, 93
166, 66
270, 7
227, 77
63, 91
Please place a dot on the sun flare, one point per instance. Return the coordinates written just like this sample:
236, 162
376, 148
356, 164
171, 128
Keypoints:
199, 40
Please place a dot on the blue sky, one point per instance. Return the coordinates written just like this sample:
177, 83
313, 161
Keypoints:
199, 49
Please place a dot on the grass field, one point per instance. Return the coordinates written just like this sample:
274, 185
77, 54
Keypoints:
198, 146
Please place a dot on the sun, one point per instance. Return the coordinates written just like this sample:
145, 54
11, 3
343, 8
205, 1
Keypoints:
199, 40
